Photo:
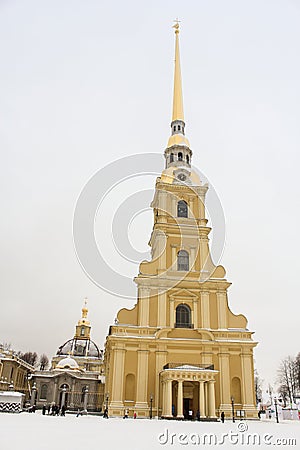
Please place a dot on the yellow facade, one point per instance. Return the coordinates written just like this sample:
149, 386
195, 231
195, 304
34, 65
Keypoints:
180, 350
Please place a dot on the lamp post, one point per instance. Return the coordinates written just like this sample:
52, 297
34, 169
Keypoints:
232, 407
106, 400
276, 410
151, 402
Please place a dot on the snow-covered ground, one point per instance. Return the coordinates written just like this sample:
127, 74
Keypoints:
36, 432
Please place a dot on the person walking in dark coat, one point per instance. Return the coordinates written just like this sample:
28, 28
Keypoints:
44, 410
222, 417
63, 410
105, 414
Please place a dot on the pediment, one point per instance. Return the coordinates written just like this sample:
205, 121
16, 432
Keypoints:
183, 293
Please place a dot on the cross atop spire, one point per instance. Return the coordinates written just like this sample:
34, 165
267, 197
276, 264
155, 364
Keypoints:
176, 26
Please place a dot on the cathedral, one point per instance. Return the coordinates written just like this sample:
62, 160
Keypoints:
75, 378
180, 351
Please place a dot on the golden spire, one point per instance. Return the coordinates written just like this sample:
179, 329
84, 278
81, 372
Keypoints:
177, 94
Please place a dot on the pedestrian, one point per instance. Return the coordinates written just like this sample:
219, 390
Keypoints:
190, 414
44, 410
259, 414
126, 412
48, 409
134, 415
57, 410
63, 410
198, 415
105, 414
222, 416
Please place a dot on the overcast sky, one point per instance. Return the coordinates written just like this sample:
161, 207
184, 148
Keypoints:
84, 83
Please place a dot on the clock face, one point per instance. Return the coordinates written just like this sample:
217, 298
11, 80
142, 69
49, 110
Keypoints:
181, 177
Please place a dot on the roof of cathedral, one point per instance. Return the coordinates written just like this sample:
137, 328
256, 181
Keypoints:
81, 344
79, 347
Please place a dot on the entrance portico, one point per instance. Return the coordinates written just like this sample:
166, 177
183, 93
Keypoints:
188, 388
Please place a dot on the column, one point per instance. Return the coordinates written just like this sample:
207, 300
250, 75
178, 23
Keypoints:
222, 309
206, 398
202, 399
162, 303
192, 258
161, 251
162, 202
142, 379
180, 400
171, 314
248, 395
85, 399
174, 257
63, 396
225, 389
173, 206
143, 296
169, 399
205, 318
160, 358
118, 378
211, 399
164, 398
195, 307
72, 394
201, 203
54, 392
33, 395
204, 249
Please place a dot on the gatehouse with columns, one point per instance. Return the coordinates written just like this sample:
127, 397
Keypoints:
188, 388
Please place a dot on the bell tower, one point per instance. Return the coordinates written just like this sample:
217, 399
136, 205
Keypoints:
180, 347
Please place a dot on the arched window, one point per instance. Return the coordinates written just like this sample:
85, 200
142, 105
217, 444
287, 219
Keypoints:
174, 128
179, 156
187, 159
44, 390
178, 128
171, 157
82, 331
183, 317
183, 261
182, 209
